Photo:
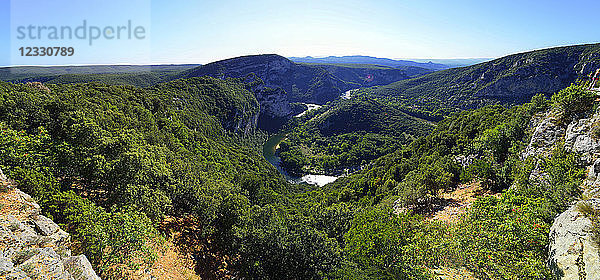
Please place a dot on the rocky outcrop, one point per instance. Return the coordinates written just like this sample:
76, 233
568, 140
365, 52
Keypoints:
547, 132
579, 138
247, 120
573, 254
31, 245
592, 182
275, 107
273, 102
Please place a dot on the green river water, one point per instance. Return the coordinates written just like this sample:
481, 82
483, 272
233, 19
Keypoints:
270, 154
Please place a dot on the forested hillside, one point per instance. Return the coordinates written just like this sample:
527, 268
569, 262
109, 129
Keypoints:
111, 162
300, 82
350, 134
513, 79
503, 233
347, 134
304, 82
131, 172
138, 75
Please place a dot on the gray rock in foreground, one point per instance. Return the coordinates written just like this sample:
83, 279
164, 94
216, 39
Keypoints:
573, 254
33, 246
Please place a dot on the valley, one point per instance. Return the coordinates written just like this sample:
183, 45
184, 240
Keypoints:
259, 167
270, 153
299, 140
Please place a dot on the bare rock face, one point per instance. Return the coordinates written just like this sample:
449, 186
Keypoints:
592, 182
579, 138
32, 246
573, 254
547, 132
80, 267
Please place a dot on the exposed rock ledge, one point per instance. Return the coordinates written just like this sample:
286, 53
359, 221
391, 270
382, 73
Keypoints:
573, 254
31, 245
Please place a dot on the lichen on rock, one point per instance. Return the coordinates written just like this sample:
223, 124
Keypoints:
31, 245
573, 254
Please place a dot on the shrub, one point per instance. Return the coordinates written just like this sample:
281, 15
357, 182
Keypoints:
377, 242
503, 238
507, 237
117, 243
574, 99
539, 103
272, 245
595, 131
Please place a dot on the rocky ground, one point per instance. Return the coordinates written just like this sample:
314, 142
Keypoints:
572, 252
31, 245
447, 273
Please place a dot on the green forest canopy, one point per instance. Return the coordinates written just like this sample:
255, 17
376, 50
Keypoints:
109, 162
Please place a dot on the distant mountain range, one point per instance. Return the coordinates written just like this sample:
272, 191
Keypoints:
359, 59
418, 87
452, 62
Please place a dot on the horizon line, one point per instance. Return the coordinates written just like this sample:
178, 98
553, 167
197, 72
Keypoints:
129, 64
191, 63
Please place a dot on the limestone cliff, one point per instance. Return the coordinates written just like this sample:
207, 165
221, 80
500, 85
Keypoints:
573, 254
301, 83
33, 246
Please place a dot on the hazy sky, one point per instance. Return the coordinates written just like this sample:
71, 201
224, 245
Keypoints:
184, 31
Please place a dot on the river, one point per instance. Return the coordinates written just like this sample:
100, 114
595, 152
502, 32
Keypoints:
310, 108
269, 152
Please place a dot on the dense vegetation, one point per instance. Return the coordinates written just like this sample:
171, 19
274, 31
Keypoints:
502, 236
111, 162
347, 134
141, 76
513, 79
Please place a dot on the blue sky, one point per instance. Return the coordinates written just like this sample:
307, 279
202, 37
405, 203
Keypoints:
203, 31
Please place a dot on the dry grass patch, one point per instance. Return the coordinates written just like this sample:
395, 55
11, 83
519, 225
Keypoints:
456, 203
169, 264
